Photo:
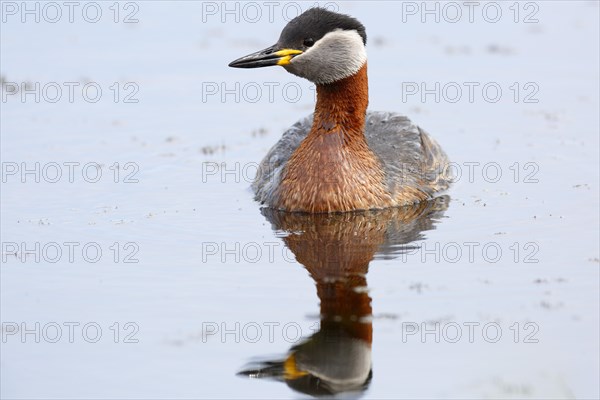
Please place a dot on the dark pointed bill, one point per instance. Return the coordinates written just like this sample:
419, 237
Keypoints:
266, 58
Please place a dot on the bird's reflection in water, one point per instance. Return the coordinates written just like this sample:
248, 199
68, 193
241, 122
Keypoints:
336, 250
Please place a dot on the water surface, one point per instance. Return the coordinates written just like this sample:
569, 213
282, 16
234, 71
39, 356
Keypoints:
491, 292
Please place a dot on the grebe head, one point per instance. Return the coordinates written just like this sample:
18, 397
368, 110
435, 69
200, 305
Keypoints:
319, 45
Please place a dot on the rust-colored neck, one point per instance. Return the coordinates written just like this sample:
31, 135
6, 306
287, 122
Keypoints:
333, 169
342, 104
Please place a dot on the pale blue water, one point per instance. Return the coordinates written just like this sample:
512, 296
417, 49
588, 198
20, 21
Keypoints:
207, 258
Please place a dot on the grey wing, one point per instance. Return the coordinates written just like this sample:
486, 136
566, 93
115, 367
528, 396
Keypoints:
270, 169
409, 156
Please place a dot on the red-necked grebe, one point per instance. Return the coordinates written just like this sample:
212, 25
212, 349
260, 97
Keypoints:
341, 158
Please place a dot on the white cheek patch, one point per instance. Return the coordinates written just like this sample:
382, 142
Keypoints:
337, 55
